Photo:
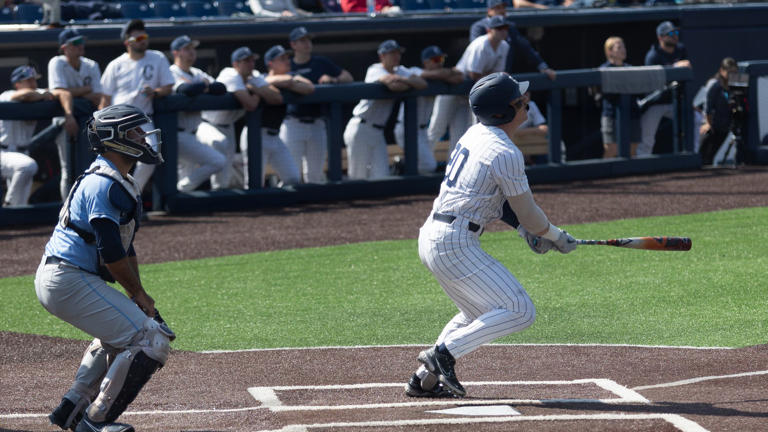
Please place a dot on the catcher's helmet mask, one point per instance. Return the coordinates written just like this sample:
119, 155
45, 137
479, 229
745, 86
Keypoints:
495, 98
110, 130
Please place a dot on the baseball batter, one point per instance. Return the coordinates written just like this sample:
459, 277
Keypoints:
91, 245
304, 127
137, 77
485, 171
432, 59
484, 55
16, 167
71, 75
273, 150
218, 127
197, 161
367, 156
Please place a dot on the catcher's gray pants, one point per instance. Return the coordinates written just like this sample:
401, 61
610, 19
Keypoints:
491, 301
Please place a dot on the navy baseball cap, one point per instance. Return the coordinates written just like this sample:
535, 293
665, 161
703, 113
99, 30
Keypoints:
274, 52
23, 72
243, 53
493, 3
298, 33
664, 28
182, 41
497, 21
389, 45
431, 52
69, 35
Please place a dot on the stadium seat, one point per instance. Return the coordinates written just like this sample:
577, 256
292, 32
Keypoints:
442, 4
6, 15
28, 13
470, 4
135, 9
413, 5
230, 7
196, 8
167, 9
331, 6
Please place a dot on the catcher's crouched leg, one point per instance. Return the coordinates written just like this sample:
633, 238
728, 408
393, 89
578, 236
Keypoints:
131, 369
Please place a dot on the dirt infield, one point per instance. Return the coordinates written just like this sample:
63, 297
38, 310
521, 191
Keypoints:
539, 387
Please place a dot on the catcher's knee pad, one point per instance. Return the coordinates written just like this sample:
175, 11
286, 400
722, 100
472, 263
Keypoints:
129, 372
154, 340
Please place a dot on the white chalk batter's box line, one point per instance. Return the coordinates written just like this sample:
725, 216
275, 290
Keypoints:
268, 398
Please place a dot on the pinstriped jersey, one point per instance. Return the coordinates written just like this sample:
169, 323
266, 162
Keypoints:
484, 169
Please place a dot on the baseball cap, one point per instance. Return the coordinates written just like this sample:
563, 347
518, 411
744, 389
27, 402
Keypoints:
430, 52
274, 52
498, 21
494, 3
389, 45
23, 72
298, 33
664, 28
182, 41
243, 53
69, 35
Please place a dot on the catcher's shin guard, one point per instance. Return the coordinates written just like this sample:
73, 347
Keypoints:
122, 384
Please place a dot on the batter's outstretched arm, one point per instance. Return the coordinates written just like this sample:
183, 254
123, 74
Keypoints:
529, 214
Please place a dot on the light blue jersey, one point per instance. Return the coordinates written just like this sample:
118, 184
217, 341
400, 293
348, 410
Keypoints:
91, 200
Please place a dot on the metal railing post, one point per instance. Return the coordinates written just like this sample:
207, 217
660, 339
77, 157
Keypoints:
335, 140
253, 121
555, 115
410, 135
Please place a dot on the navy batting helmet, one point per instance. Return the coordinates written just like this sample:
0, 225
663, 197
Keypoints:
108, 130
491, 98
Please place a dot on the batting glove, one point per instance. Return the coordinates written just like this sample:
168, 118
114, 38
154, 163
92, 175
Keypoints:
537, 244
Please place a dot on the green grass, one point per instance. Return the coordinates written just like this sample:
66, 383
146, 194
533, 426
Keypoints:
379, 292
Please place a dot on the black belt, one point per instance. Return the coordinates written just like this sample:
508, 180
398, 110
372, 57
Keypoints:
271, 132
216, 124
362, 120
306, 119
440, 217
424, 126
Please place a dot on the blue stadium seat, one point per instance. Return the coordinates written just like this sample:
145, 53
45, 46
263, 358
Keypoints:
167, 9
135, 9
28, 13
197, 8
470, 4
413, 5
230, 7
6, 15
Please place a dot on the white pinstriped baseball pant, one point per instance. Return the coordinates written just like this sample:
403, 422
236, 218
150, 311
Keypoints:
308, 144
491, 301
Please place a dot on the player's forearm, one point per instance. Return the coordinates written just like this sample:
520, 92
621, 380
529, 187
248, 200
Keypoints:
27, 95
65, 99
345, 77
106, 100
125, 272
529, 213
79, 91
163, 91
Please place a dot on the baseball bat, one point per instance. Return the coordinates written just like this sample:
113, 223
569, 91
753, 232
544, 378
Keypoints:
647, 243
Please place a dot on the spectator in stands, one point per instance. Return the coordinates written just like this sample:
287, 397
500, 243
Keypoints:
615, 54
197, 161
16, 167
304, 127
433, 68
520, 49
381, 6
71, 75
483, 56
367, 154
218, 127
718, 111
273, 149
668, 51
273, 8
136, 78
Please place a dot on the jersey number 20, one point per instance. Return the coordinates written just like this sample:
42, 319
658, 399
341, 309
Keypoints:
456, 164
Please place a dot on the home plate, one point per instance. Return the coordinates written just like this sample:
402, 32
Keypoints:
479, 410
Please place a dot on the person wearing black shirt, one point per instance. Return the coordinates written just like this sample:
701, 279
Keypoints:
718, 112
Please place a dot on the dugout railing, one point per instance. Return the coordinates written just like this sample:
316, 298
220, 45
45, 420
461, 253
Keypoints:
166, 197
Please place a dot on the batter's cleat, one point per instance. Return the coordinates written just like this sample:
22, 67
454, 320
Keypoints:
88, 425
67, 415
441, 364
413, 389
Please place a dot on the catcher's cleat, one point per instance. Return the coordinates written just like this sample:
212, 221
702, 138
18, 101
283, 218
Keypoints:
413, 388
441, 364
88, 425
67, 415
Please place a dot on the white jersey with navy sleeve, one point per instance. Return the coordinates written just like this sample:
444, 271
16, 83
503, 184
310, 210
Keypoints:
189, 120
377, 111
124, 79
61, 74
15, 135
234, 82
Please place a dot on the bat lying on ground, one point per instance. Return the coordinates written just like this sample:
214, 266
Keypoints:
647, 243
